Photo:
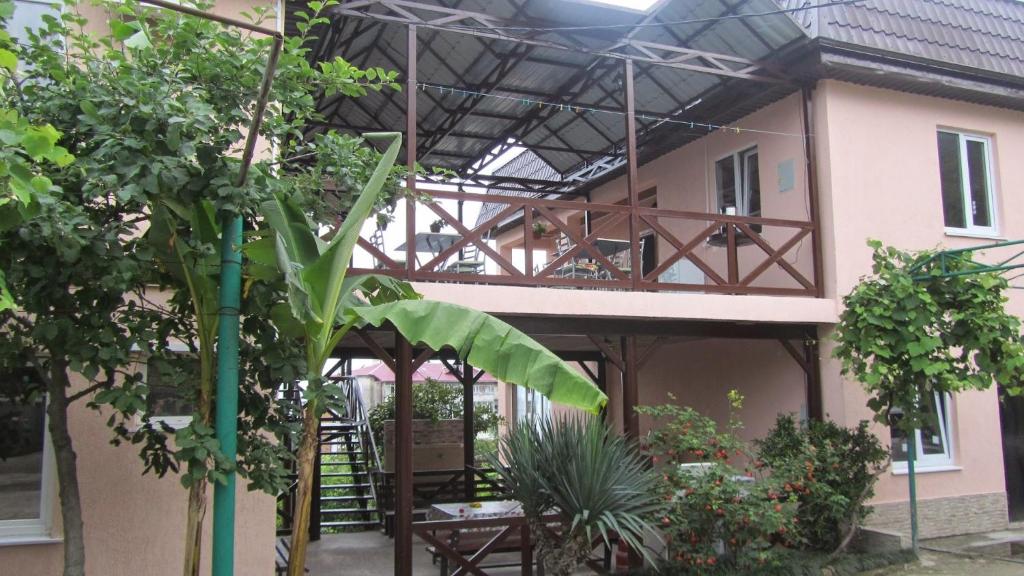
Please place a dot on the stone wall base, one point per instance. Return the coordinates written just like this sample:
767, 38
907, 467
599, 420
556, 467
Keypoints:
938, 517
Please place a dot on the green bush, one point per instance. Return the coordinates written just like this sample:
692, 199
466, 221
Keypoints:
832, 469
717, 518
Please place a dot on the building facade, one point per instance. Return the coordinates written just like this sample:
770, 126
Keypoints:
902, 122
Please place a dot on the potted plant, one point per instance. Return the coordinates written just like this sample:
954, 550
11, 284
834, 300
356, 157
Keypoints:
437, 225
539, 229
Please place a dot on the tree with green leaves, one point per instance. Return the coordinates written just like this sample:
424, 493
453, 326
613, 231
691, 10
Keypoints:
26, 150
910, 330
154, 109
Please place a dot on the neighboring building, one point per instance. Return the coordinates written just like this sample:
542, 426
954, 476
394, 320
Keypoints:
377, 383
901, 121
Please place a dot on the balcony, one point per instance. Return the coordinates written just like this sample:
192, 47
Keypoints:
524, 240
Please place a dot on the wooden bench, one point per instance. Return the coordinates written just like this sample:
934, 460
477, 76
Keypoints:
469, 542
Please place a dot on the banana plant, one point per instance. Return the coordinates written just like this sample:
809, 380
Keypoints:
198, 274
324, 305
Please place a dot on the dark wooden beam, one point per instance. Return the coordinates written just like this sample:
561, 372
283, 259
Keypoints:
815, 403
607, 351
630, 389
468, 432
403, 457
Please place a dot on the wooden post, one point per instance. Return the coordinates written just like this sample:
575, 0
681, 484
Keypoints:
630, 399
815, 409
811, 158
403, 456
602, 384
526, 557
630, 388
632, 180
468, 433
410, 155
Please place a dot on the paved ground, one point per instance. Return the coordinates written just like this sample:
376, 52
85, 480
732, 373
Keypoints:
946, 564
991, 554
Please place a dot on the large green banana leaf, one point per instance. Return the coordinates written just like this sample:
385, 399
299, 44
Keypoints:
314, 272
489, 344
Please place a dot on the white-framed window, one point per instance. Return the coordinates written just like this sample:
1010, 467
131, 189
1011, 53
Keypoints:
968, 194
934, 438
738, 184
27, 488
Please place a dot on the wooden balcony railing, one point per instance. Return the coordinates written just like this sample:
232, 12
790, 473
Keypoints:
592, 245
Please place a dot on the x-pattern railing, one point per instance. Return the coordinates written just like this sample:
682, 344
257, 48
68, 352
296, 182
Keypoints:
762, 244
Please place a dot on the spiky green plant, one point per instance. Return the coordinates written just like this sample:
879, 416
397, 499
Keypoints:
595, 480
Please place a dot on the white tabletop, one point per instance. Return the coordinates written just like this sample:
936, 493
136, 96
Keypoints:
489, 509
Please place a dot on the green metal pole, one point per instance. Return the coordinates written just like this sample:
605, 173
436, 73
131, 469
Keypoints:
912, 481
230, 298
227, 392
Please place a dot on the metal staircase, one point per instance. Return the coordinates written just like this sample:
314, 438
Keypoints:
347, 481
348, 468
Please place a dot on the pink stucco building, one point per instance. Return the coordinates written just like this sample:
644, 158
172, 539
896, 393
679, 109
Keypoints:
686, 223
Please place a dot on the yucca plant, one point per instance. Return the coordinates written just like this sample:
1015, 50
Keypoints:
594, 479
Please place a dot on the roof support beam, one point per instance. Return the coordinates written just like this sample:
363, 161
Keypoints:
487, 26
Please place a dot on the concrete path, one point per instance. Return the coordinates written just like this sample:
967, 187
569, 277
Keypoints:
946, 564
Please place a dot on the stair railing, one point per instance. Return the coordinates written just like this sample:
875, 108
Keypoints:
357, 413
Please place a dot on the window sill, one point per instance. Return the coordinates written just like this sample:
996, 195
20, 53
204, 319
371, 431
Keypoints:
902, 470
956, 233
28, 540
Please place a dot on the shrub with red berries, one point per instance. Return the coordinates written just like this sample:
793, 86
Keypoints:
719, 513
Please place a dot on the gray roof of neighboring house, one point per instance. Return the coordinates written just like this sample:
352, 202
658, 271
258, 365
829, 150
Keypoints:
526, 165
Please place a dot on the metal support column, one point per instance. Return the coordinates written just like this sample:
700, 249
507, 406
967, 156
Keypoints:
403, 456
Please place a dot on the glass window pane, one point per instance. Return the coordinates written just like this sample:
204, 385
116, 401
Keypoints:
933, 441
22, 422
752, 184
898, 444
164, 397
28, 15
725, 179
977, 171
952, 182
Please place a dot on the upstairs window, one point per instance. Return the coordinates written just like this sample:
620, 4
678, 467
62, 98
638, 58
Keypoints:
28, 15
965, 170
737, 181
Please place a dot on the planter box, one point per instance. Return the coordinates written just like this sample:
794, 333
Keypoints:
436, 445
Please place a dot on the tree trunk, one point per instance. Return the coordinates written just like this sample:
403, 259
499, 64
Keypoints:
194, 527
67, 472
305, 462
197, 492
